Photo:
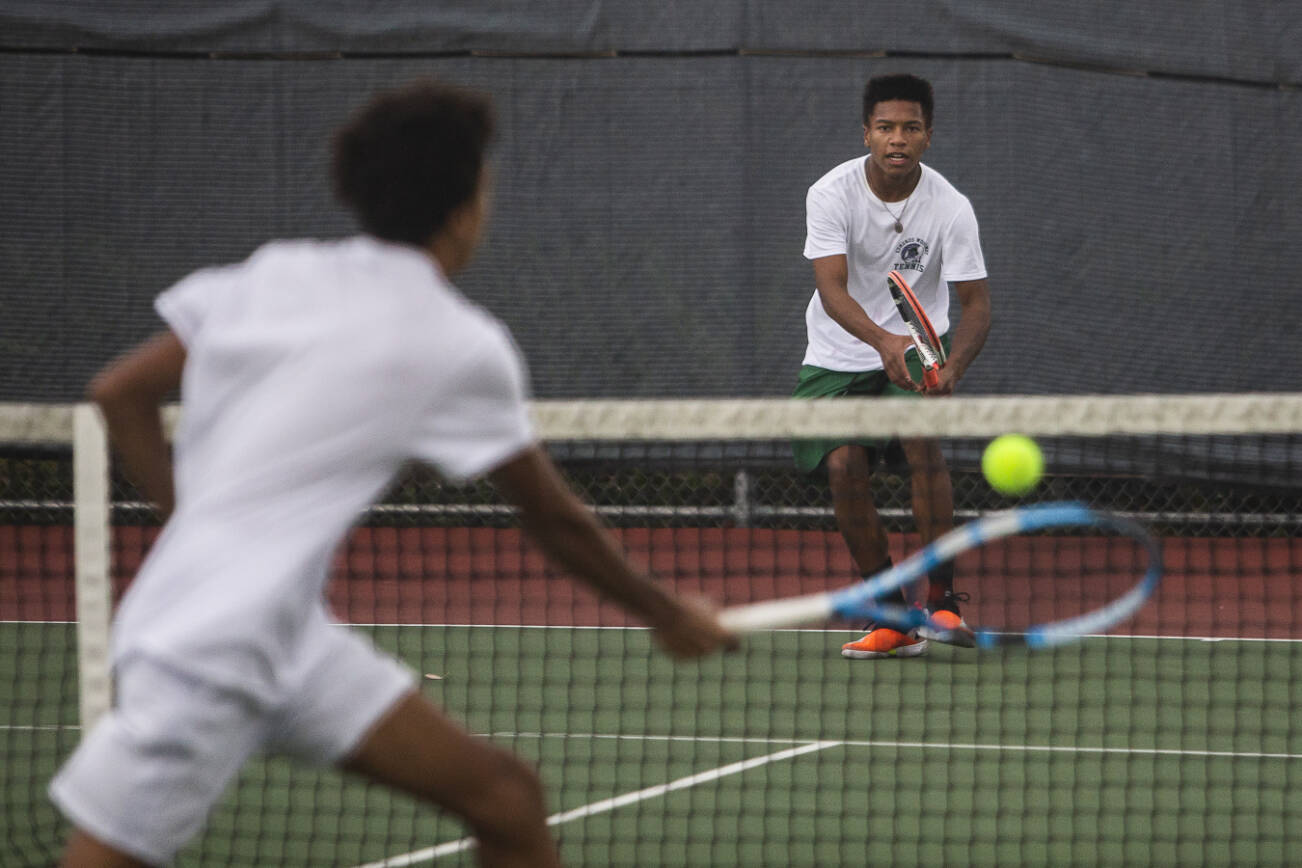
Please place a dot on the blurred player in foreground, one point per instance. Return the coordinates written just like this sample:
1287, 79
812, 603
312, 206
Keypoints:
309, 374
865, 218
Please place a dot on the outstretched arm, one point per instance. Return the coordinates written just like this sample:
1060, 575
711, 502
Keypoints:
130, 393
571, 535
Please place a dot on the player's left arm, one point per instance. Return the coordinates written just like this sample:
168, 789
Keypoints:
486, 408
969, 336
130, 393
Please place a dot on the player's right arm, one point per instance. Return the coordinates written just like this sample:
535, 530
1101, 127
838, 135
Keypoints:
130, 393
573, 537
831, 276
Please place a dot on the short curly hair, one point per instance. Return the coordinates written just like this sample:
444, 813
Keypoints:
410, 157
902, 86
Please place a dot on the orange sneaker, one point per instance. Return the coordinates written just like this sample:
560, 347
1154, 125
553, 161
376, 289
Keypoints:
946, 625
885, 642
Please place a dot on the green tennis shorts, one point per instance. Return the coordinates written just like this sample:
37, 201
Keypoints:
816, 382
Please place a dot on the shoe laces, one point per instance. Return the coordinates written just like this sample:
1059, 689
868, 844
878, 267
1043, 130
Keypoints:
950, 600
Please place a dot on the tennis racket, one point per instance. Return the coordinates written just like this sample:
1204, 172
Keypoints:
1125, 545
930, 350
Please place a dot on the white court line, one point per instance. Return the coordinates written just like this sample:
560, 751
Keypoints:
429, 854
20, 621
920, 745
784, 630
1050, 748
829, 631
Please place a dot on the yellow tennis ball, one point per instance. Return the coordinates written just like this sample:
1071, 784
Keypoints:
1012, 464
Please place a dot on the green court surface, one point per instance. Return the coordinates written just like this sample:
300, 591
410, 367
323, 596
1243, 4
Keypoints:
1111, 751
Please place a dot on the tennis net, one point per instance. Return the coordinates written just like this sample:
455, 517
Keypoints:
1170, 740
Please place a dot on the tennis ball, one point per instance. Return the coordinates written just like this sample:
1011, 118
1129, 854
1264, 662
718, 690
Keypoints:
1012, 464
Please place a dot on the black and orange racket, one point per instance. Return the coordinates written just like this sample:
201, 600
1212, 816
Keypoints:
930, 350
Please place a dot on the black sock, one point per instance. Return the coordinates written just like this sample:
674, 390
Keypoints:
940, 580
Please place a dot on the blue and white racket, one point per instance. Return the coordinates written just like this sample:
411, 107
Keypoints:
857, 602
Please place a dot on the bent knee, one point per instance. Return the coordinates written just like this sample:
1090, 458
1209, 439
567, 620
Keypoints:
924, 456
847, 462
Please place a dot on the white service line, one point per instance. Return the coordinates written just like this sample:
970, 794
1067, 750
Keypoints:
831, 631
1068, 748
928, 745
429, 854
828, 631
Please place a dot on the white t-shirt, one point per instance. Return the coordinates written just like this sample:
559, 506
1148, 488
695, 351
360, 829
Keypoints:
939, 244
314, 371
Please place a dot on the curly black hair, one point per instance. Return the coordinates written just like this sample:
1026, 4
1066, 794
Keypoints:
909, 88
410, 157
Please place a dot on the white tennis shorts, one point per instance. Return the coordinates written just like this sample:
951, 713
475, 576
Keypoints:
144, 779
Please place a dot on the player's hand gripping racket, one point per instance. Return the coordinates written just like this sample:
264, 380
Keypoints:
930, 350
1054, 588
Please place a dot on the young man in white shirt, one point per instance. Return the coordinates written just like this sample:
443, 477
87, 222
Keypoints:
866, 217
309, 374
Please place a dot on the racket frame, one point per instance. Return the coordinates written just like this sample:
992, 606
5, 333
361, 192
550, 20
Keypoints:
930, 350
859, 601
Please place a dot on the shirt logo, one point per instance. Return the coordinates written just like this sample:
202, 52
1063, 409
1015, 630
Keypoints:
910, 255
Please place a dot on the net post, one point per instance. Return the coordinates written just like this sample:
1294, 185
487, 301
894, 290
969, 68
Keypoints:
741, 498
90, 456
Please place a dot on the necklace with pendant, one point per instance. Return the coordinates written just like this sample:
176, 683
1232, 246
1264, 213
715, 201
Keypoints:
899, 225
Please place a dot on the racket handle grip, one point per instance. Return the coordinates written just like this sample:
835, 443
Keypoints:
777, 613
930, 378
